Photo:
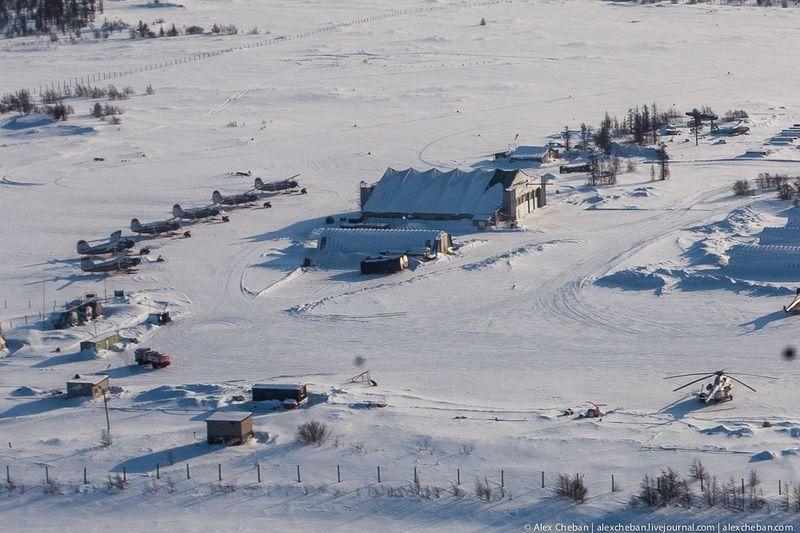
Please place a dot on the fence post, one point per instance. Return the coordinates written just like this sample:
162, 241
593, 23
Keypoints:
613, 488
258, 469
8, 474
46, 474
742, 486
124, 474
701, 484
458, 476
188, 476
542, 478
416, 478
298, 473
85, 482
219, 470
779, 488
338, 474
158, 471
379, 474
502, 478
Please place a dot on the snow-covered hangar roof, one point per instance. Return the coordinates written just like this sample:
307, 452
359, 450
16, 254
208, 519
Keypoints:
456, 193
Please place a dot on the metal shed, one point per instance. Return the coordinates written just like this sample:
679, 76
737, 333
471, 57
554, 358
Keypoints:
229, 427
104, 343
87, 386
264, 392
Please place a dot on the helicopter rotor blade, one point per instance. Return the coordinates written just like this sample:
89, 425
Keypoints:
750, 375
742, 382
690, 375
692, 382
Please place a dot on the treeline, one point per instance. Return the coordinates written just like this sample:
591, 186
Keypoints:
788, 188
22, 102
24, 17
144, 30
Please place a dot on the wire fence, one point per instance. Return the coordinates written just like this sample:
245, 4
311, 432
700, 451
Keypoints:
497, 486
65, 87
19, 314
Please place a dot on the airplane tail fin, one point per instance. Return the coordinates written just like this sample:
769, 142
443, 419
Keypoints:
258, 183
135, 224
116, 236
83, 246
86, 264
177, 210
216, 197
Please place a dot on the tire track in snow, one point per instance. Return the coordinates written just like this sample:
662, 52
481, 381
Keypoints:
566, 301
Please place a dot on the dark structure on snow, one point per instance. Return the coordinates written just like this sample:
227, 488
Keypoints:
574, 167
384, 264
229, 427
87, 387
264, 392
104, 343
78, 312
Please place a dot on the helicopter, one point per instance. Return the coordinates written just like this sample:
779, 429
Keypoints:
718, 390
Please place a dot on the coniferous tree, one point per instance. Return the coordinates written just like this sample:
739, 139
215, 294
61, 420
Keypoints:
663, 162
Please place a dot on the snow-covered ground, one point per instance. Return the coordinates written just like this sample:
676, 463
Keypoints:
596, 298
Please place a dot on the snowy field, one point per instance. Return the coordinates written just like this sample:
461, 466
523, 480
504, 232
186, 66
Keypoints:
596, 297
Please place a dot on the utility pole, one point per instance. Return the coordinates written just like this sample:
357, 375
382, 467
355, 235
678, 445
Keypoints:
43, 306
107, 437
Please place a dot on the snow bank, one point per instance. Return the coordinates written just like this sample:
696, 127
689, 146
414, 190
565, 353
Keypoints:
636, 279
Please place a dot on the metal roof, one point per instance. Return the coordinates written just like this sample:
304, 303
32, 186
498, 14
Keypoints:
229, 416
275, 386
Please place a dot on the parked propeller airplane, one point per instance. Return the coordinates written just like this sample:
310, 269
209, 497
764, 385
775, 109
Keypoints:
154, 228
118, 264
234, 199
719, 390
195, 213
114, 245
287, 184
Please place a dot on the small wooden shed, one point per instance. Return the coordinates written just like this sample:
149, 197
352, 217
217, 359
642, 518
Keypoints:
229, 427
87, 386
104, 343
263, 392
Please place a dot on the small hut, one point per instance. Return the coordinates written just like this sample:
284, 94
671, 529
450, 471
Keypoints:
264, 392
87, 386
575, 167
229, 427
102, 343
2, 339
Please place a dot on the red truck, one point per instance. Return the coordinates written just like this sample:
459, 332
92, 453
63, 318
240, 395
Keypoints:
146, 356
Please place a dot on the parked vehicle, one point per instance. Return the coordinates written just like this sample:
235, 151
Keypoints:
146, 356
